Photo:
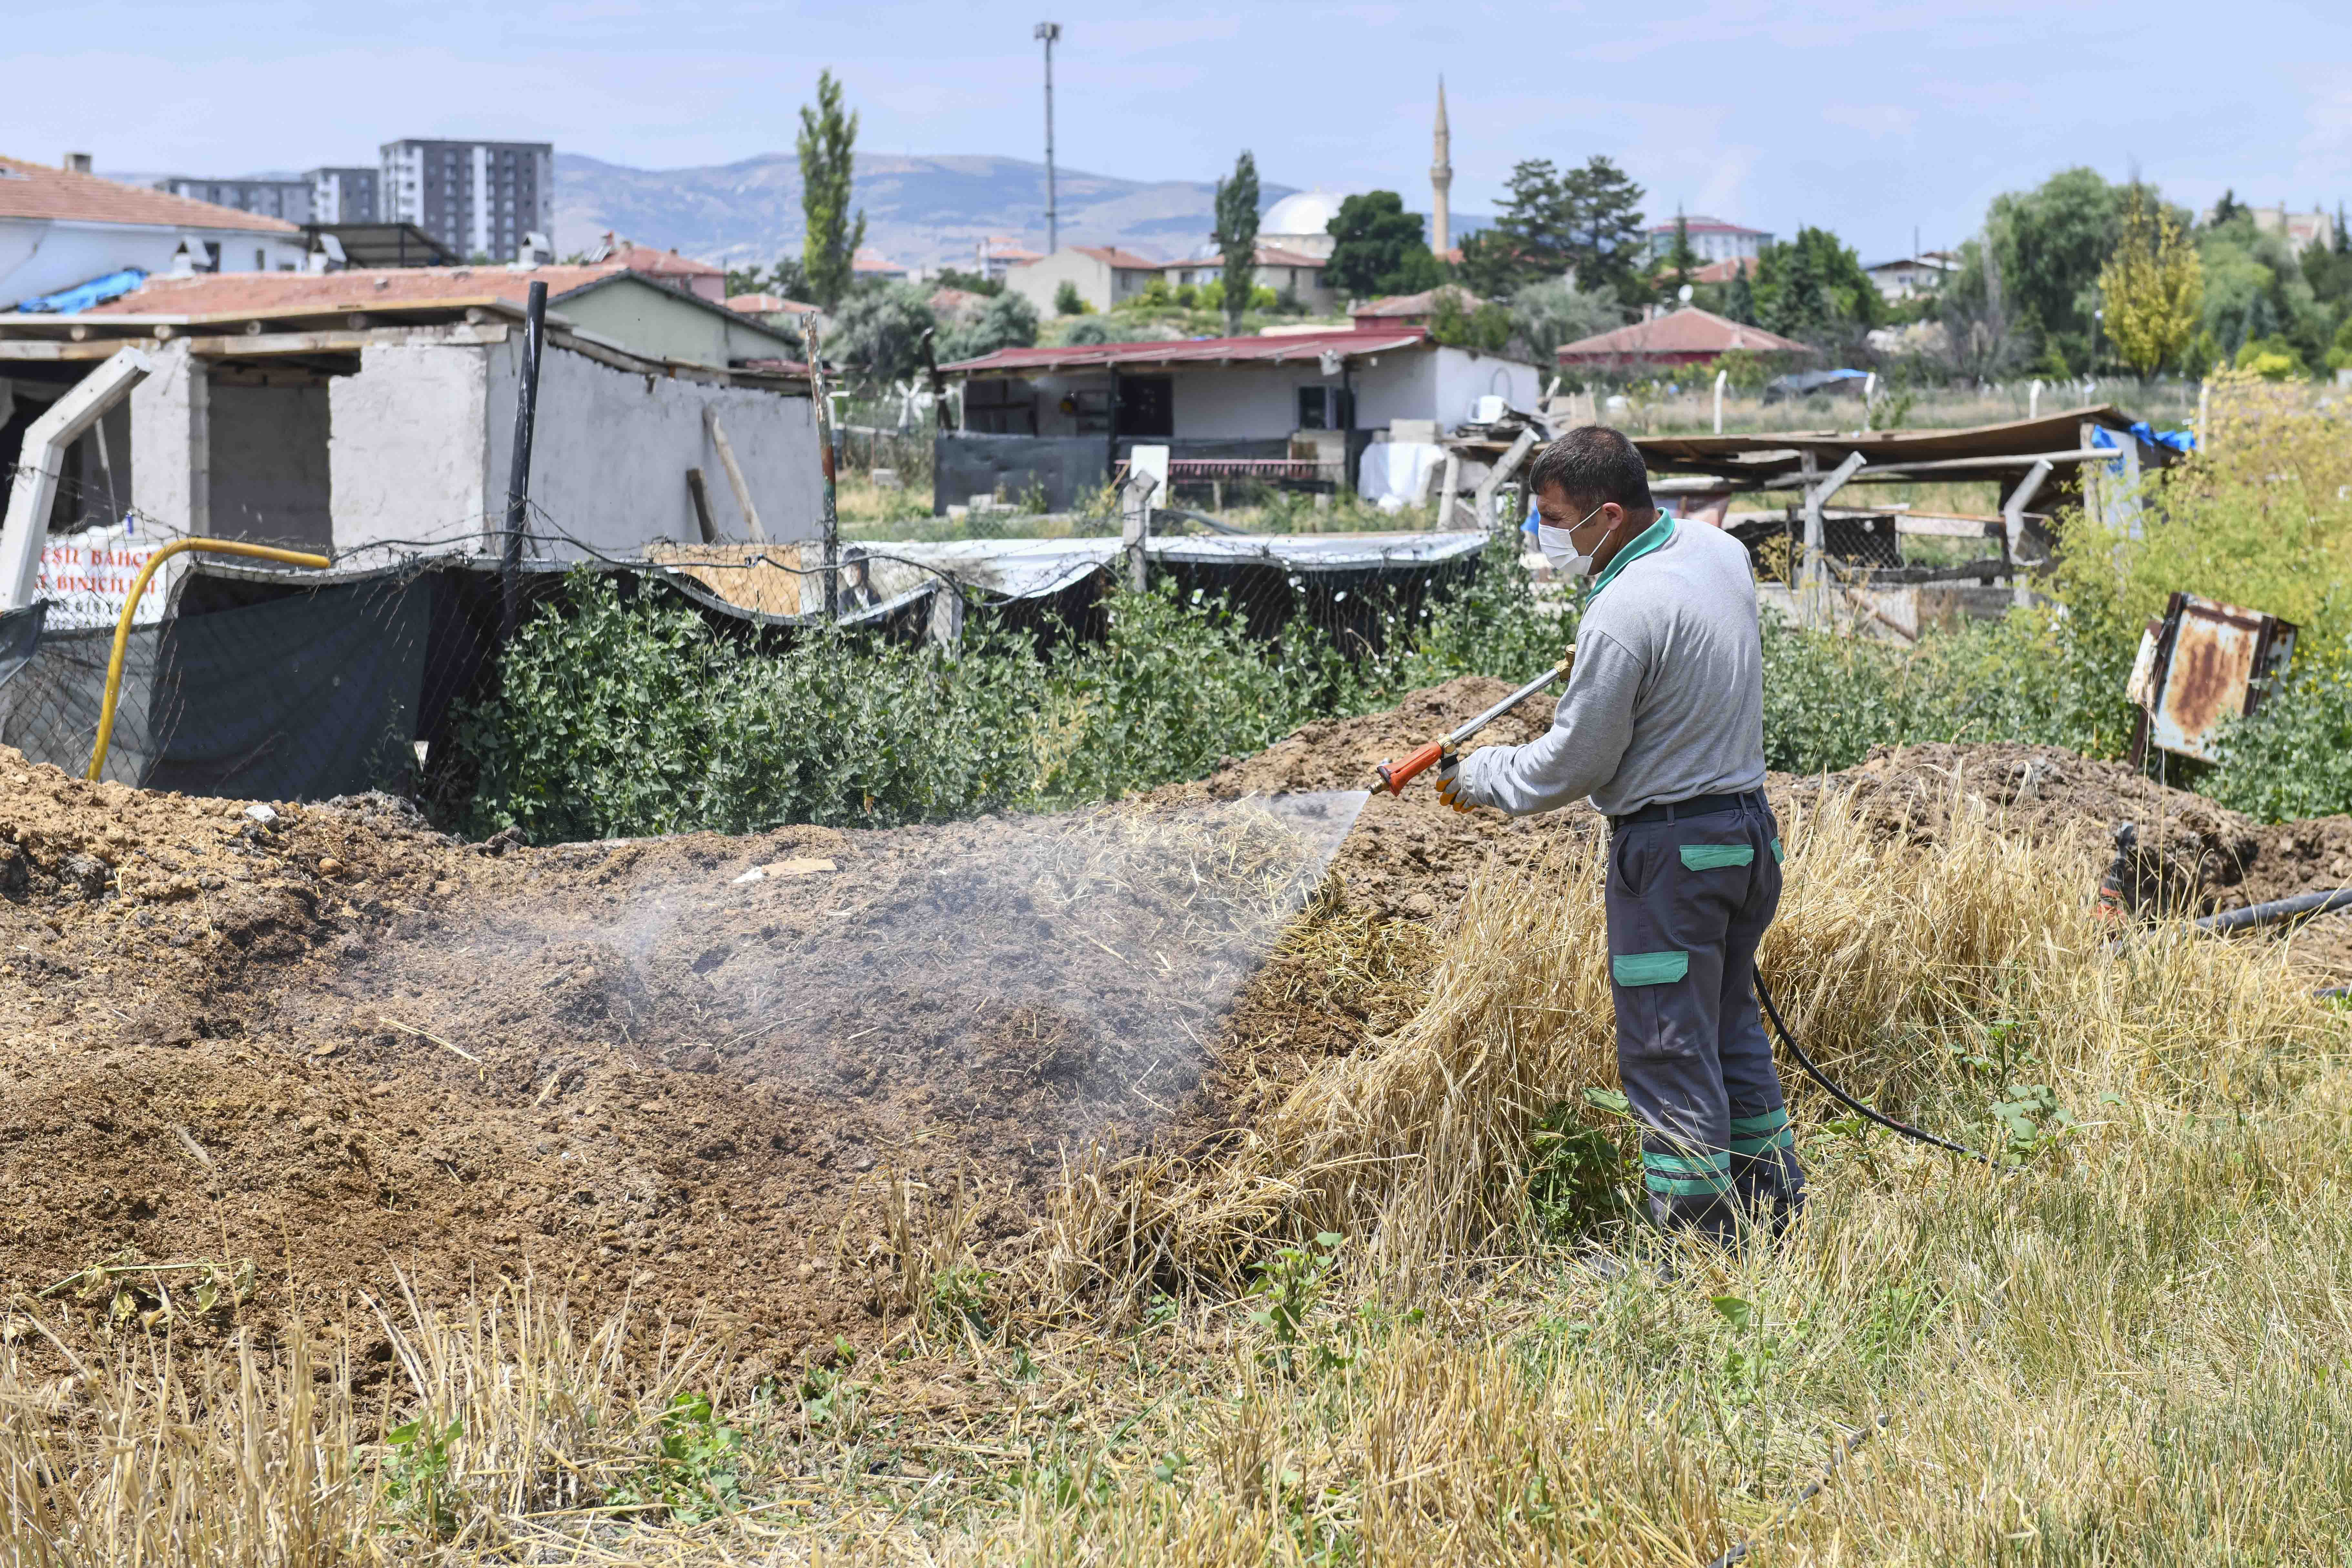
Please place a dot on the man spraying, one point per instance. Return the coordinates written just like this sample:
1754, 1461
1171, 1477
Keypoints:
1663, 726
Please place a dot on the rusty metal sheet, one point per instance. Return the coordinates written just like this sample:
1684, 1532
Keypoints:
2218, 654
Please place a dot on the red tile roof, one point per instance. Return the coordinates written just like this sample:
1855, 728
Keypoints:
1285, 349
1412, 305
38, 191
658, 263
263, 294
766, 305
1111, 255
1726, 270
1689, 331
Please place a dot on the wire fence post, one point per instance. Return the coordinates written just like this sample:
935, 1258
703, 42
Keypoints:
534, 331
824, 435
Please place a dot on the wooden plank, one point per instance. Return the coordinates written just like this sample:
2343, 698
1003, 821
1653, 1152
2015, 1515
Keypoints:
1948, 526
341, 341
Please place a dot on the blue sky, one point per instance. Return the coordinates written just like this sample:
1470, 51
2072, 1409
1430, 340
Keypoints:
1872, 119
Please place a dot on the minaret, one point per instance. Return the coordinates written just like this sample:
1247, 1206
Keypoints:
1441, 180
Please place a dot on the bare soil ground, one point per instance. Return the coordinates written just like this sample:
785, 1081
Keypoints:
342, 1044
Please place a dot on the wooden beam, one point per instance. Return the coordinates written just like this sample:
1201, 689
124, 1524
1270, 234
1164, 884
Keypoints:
734, 474
701, 494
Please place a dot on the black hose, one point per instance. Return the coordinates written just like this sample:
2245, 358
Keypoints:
1848, 1101
2278, 910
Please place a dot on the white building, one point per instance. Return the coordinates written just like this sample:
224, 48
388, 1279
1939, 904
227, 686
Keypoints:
1711, 239
60, 227
479, 199
1908, 277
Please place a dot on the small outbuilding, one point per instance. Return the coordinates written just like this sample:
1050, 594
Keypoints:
364, 410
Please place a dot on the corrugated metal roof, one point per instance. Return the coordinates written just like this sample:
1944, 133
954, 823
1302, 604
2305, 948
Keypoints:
1767, 456
1286, 348
267, 294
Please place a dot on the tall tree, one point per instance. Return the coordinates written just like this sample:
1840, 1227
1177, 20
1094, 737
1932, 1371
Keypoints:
828, 149
1606, 244
2051, 242
1974, 308
1381, 248
2153, 287
1236, 238
1527, 242
1586, 223
1813, 289
1681, 260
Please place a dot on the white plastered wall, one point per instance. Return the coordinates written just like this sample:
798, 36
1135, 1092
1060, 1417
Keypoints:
406, 453
611, 448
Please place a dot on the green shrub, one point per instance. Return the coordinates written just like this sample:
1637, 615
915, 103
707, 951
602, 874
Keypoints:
1176, 685
2294, 759
628, 717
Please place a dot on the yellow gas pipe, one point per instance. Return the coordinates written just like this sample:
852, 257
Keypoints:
131, 609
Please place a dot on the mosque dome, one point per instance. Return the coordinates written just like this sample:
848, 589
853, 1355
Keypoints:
1303, 211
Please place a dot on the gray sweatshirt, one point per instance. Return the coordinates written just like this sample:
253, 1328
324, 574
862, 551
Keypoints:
1667, 700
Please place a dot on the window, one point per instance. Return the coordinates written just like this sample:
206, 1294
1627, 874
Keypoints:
1326, 408
1147, 406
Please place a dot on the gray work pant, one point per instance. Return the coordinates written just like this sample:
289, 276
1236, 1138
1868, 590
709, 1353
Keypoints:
1688, 900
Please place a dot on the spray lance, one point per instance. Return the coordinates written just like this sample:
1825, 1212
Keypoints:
1396, 775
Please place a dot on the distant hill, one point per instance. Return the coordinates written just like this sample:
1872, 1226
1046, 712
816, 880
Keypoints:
917, 209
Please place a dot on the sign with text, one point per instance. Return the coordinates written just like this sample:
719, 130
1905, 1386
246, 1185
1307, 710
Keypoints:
86, 577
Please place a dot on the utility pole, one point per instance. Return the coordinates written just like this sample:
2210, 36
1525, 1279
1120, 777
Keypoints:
1049, 34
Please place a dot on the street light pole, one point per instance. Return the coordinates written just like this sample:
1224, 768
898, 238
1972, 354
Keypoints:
1049, 34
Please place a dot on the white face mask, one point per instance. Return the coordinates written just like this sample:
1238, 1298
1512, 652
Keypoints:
1558, 545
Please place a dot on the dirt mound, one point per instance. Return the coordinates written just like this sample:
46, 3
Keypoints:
333, 1041
2189, 850
710, 1070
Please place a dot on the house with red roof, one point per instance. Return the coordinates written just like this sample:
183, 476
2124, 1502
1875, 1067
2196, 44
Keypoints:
1102, 274
1291, 405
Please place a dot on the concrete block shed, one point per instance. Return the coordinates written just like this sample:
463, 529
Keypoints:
327, 412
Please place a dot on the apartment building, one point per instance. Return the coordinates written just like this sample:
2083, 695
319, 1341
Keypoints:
476, 197
345, 196
286, 199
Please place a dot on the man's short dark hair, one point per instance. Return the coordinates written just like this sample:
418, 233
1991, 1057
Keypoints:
1590, 465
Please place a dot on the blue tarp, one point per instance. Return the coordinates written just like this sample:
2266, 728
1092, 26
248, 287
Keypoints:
82, 296
2178, 440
